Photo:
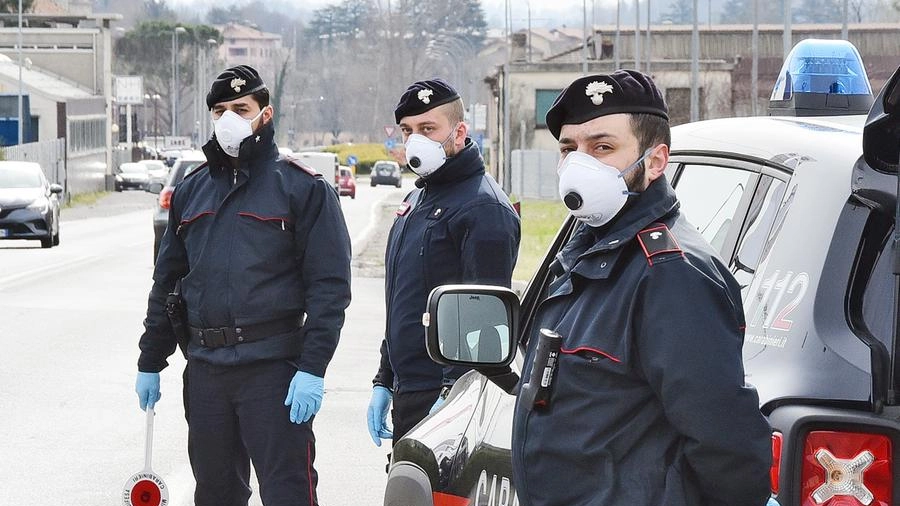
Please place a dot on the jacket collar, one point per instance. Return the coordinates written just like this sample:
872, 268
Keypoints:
463, 165
592, 252
258, 148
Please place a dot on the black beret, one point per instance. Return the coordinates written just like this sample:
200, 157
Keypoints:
589, 97
233, 83
422, 96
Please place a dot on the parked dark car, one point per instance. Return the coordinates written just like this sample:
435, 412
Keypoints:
805, 221
386, 172
29, 204
132, 176
346, 182
182, 167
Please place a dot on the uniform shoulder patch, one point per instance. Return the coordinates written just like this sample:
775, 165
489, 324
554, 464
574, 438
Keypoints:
199, 169
656, 240
302, 166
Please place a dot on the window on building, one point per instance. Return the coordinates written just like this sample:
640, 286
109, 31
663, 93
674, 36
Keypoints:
237, 51
543, 99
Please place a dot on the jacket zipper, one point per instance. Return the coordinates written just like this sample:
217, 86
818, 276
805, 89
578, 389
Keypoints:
390, 290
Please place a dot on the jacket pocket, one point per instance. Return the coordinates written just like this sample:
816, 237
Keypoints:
263, 239
590, 354
276, 222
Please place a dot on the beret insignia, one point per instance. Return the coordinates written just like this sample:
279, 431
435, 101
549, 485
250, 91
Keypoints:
596, 89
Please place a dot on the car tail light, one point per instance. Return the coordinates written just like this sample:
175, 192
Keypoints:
165, 197
846, 469
775, 470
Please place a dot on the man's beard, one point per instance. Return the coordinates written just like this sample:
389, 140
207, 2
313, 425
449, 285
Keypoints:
634, 180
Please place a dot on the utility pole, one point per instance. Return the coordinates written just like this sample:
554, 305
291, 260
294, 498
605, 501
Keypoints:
637, 35
695, 67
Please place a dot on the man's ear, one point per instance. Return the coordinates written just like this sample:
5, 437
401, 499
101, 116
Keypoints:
656, 162
460, 134
268, 113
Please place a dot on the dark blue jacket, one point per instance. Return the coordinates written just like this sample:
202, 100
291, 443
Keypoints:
648, 406
260, 243
457, 227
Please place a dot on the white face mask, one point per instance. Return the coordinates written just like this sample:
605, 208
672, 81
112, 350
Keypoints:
593, 191
231, 129
425, 155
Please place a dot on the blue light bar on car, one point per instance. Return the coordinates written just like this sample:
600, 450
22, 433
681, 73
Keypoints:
821, 78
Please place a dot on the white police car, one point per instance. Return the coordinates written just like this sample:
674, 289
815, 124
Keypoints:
807, 223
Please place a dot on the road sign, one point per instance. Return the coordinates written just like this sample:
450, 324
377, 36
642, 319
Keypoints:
146, 488
351, 160
389, 144
480, 116
389, 130
129, 90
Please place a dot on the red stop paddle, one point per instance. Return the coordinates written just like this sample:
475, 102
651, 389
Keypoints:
146, 488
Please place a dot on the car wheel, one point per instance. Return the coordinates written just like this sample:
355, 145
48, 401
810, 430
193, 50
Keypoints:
399, 184
353, 195
372, 184
56, 238
47, 242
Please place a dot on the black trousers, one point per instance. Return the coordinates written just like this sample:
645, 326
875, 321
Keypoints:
409, 408
237, 415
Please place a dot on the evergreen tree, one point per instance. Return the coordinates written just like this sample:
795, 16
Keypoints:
680, 12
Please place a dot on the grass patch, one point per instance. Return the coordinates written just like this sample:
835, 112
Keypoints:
541, 220
85, 199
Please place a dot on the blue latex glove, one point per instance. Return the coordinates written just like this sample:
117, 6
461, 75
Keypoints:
377, 415
772, 502
437, 405
304, 396
147, 388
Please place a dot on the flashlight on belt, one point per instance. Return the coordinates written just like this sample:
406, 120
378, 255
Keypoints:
536, 392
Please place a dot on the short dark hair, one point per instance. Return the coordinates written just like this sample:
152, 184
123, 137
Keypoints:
261, 97
650, 130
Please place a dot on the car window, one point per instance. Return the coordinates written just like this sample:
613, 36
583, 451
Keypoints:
182, 170
710, 197
19, 178
135, 168
878, 300
760, 217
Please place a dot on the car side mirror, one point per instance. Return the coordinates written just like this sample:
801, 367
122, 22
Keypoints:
155, 188
881, 134
56, 188
474, 326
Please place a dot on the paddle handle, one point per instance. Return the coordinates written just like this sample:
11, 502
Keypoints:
148, 447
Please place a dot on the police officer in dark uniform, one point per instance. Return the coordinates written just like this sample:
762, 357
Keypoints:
457, 226
648, 404
262, 253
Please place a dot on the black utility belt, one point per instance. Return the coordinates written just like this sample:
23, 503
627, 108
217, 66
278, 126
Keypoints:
218, 337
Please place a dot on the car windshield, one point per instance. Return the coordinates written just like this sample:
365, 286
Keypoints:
133, 168
19, 178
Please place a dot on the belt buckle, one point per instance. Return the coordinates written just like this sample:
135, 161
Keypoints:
212, 338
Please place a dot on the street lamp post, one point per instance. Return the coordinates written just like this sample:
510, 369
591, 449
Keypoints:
156, 99
178, 29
